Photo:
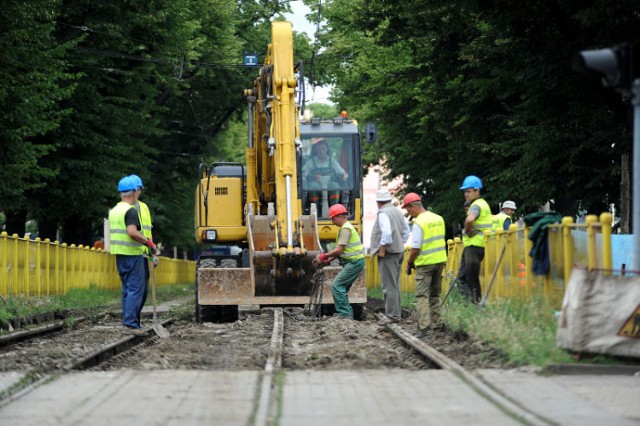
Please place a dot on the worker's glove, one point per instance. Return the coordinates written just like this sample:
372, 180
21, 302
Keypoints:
156, 261
151, 245
321, 260
410, 267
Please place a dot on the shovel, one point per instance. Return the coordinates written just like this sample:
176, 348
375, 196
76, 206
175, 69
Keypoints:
157, 327
492, 279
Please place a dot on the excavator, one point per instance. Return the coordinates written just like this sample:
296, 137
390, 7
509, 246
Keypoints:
266, 220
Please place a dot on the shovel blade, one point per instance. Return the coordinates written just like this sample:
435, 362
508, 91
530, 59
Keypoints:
162, 332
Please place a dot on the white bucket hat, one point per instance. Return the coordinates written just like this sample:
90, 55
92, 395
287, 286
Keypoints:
383, 195
509, 205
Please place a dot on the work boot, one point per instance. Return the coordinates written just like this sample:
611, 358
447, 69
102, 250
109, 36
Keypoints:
437, 327
133, 331
421, 333
386, 320
342, 317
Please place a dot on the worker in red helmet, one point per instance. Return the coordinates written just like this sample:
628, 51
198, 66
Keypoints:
428, 256
350, 251
478, 220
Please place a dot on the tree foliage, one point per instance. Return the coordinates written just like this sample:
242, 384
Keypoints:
485, 88
96, 91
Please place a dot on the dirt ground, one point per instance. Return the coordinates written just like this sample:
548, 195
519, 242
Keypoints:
327, 343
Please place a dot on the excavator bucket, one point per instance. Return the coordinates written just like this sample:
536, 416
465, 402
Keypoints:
270, 280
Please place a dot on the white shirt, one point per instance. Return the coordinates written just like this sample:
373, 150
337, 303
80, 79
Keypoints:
416, 239
385, 229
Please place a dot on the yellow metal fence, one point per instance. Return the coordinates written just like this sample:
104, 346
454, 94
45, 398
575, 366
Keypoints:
41, 268
586, 244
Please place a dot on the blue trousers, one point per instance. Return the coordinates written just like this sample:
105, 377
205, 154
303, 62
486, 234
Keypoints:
342, 284
132, 275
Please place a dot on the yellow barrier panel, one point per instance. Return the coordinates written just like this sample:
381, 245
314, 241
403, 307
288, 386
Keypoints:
514, 277
42, 268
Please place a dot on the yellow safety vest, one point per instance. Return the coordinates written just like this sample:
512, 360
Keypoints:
498, 221
353, 250
434, 247
120, 241
145, 219
483, 222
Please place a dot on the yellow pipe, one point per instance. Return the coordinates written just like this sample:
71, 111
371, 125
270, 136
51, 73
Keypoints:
606, 219
528, 260
591, 221
567, 248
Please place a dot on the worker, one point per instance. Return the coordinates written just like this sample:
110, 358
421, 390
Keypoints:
129, 244
504, 219
351, 254
460, 275
390, 232
478, 220
428, 257
322, 172
145, 222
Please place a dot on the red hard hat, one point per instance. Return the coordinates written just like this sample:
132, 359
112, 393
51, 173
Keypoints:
337, 209
411, 197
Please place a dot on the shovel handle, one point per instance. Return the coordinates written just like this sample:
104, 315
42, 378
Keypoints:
153, 290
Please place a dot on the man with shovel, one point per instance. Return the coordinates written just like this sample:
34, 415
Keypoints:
129, 245
478, 220
145, 222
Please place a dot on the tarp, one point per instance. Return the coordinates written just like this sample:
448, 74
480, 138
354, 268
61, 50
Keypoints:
600, 314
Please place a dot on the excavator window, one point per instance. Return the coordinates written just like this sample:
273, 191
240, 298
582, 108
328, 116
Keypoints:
327, 171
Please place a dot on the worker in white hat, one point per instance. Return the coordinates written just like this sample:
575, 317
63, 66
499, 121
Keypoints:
504, 219
389, 234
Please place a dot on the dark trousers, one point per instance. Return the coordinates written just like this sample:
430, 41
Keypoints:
131, 271
470, 267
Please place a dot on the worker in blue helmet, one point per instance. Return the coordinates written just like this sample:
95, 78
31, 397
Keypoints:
128, 244
478, 220
147, 226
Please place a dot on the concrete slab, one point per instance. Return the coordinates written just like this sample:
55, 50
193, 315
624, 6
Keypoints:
8, 379
137, 397
336, 398
559, 403
615, 394
384, 397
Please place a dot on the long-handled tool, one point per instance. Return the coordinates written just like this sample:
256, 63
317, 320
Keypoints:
451, 285
157, 327
493, 278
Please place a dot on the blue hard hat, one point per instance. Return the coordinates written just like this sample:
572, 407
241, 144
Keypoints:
137, 181
127, 184
471, 182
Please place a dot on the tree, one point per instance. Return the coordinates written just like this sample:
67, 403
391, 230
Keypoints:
484, 88
35, 83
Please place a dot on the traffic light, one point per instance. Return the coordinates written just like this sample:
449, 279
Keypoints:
616, 66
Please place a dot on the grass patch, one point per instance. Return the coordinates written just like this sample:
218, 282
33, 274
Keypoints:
526, 332
80, 301
172, 292
407, 300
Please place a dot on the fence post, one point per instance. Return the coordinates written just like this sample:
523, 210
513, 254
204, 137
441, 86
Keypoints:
64, 268
567, 248
528, 261
36, 267
592, 261
606, 219
4, 272
47, 265
14, 264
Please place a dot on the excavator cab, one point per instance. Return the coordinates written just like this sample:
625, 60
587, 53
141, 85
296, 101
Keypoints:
330, 170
